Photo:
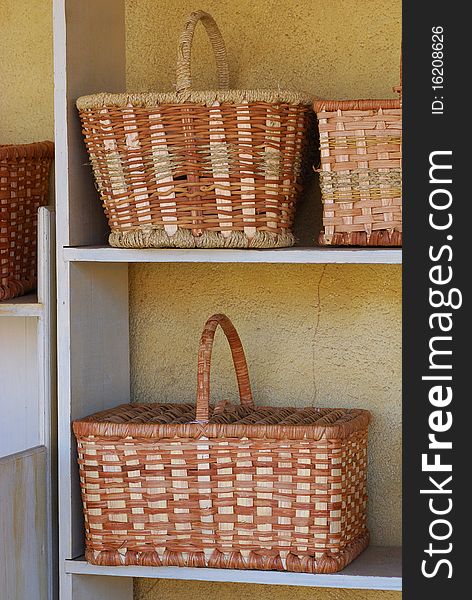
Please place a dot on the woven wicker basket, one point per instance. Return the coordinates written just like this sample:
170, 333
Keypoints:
361, 171
24, 174
185, 169
239, 487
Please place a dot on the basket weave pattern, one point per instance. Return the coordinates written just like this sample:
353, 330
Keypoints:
211, 169
229, 178
361, 172
24, 173
239, 487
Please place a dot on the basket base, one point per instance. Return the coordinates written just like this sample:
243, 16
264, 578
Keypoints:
328, 563
360, 238
183, 238
14, 289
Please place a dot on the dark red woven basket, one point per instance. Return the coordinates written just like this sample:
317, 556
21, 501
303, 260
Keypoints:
24, 175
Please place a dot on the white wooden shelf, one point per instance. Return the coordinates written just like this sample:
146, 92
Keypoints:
24, 306
26, 432
93, 310
376, 569
296, 255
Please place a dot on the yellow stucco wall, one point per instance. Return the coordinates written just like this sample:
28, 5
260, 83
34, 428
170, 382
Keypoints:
313, 334
26, 71
26, 74
330, 48
150, 589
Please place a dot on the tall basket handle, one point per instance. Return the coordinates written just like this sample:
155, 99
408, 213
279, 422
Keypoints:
204, 362
184, 74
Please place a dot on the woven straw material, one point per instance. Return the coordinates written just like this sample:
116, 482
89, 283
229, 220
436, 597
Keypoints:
239, 487
361, 172
191, 169
24, 173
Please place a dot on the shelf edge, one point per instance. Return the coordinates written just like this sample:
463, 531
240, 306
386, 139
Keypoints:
11, 309
278, 256
345, 580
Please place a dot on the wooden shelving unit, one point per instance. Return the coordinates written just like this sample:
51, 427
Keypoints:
93, 320
26, 432
296, 255
376, 569
25, 306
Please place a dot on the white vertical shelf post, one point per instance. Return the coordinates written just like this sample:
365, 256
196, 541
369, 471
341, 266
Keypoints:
27, 438
92, 307
46, 382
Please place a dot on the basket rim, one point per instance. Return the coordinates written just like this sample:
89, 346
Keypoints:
89, 426
44, 149
372, 104
206, 97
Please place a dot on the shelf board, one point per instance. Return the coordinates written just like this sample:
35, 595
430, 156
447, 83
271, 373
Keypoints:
24, 306
378, 568
295, 255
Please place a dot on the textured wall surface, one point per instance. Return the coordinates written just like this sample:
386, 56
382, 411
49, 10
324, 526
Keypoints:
173, 590
26, 71
335, 48
313, 334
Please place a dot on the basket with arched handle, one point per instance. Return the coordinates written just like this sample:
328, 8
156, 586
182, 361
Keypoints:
197, 169
235, 486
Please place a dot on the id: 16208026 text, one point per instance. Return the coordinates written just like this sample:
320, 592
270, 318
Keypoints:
437, 69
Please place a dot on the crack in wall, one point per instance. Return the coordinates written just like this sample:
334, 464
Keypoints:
315, 333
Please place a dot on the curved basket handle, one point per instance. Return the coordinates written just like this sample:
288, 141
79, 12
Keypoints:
204, 362
184, 74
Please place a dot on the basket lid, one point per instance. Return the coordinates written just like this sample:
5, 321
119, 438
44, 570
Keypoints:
225, 420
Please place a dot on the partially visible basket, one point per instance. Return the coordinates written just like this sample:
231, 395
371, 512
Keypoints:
361, 171
24, 174
209, 169
229, 486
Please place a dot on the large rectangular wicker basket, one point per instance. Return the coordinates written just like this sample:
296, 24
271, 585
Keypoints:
361, 171
204, 169
24, 175
239, 487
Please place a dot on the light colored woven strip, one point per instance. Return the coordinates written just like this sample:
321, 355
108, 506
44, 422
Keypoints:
157, 237
243, 125
205, 97
354, 185
162, 164
353, 142
272, 161
220, 160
